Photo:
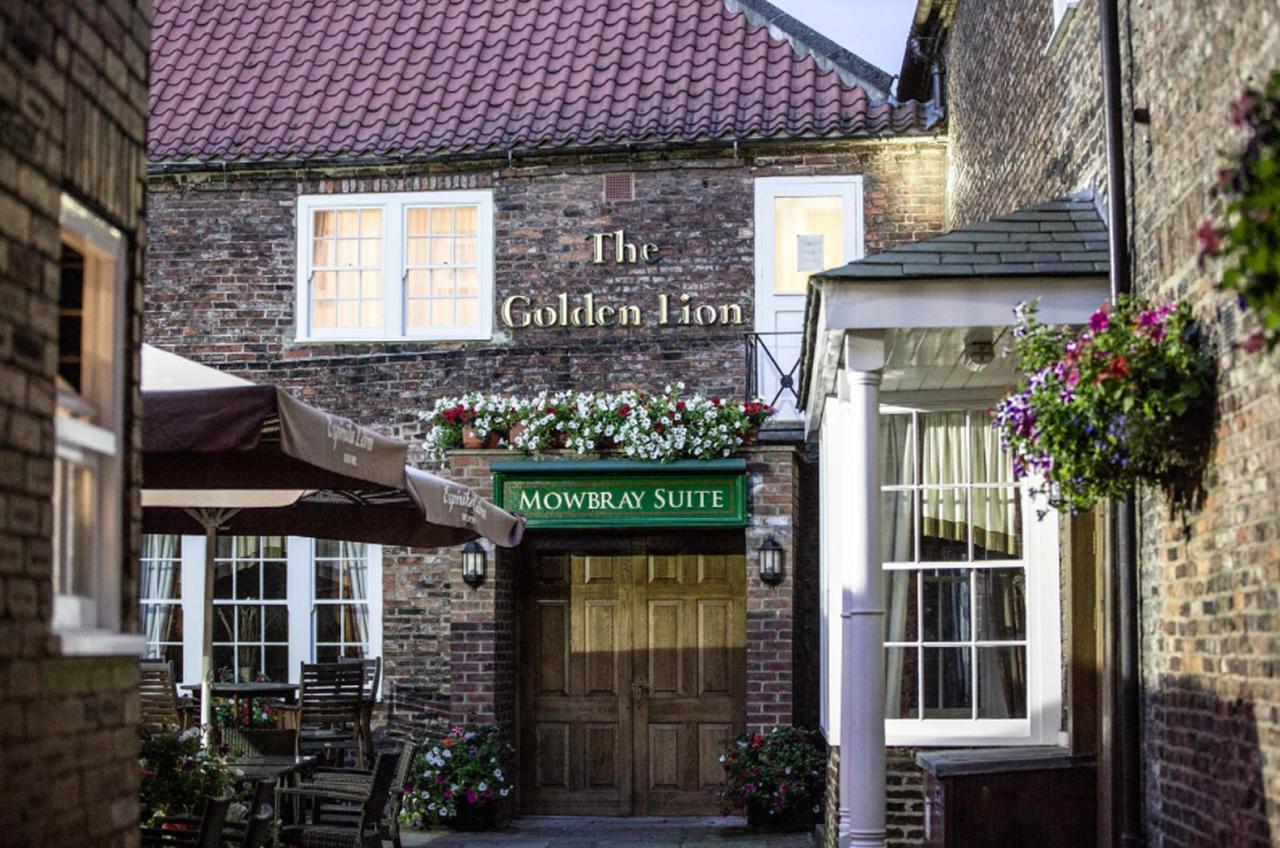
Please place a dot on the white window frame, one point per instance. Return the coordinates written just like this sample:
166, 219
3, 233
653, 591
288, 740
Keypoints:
91, 624
300, 599
1041, 564
394, 206
767, 191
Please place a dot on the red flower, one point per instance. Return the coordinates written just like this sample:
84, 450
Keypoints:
1255, 343
680, 405
449, 742
717, 402
624, 410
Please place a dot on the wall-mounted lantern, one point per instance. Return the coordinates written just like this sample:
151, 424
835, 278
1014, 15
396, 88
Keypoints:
771, 561
474, 561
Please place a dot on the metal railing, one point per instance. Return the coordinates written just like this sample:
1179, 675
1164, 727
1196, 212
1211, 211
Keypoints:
773, 369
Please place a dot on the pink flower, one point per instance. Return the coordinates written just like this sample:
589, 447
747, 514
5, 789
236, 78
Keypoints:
1100, 320
1210, 239
1255, 343
472, 797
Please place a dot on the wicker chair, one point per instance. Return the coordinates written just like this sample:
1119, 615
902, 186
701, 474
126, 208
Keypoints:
259, 742
209, 834
370, 800
330, 699
348, 780
160, 707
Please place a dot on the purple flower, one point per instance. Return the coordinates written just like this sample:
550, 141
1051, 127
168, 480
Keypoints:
1100, 320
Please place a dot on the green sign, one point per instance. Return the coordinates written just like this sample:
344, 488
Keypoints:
623, 494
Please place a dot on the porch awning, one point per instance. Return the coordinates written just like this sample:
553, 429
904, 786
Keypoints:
971, 277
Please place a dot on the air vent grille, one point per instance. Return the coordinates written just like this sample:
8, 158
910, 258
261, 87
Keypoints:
619, 187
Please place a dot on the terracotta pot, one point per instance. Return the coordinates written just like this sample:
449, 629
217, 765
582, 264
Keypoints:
606, 443
471, 440
558, 441
751, 436
493, 440
516, 430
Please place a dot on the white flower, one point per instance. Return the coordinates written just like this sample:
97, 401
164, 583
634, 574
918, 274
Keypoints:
504, 792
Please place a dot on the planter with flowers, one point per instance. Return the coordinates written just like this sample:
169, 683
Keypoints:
667, 426
460, 782
1248, 239
778, 778
178, 773
1127, 399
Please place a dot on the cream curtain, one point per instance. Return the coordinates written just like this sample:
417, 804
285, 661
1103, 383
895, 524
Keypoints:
159, 579
356, 567
896, 537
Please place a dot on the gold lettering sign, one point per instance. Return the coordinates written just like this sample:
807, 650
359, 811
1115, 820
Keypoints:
614, 245
519, 311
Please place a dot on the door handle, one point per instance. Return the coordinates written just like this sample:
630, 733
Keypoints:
639, 687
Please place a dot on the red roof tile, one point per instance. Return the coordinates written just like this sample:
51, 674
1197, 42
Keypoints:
334, 79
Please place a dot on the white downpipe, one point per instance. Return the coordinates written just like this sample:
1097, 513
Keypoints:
862, 751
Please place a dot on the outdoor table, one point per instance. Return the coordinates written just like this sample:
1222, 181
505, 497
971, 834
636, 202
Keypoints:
284, 770
248, 691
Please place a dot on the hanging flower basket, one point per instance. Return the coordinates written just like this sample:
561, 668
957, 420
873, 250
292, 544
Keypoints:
1128, 399
1248, 238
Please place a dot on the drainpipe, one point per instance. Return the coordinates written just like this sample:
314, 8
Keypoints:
1128, 726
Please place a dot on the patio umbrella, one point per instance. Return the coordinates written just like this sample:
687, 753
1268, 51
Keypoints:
226, 455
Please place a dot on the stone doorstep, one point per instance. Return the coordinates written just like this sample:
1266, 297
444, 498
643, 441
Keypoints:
596, 832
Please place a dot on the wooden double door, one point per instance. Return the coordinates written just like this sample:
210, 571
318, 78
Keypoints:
633, 668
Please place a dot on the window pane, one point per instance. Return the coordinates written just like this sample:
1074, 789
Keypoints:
371, 284
160, 579
275, 581
467, 314
325, 223
442, 313
277, 663
348, 253
276, 623
348, 222
808, 234
468, 282
1002, 604
356, 626
948, 683
1002, 682
416, 282
419, 313
224, 623
224, 658
902, 683
441, 251
441, 220
465, 218
944, 528
355, 583
897, 449
944, 443
250, 621
371, 222
328, 624
371, 252
327, 653
247, 580
990, 463
348, 313
902, 616
324, 285
370, 314
418, 253
947, 608
997, 520
348, 284
222, 580
324, 314
173, 653
328, 548
442, 283
896, 533
162, 622
327, 581
417, 222
465, 249
247, 547
323, 252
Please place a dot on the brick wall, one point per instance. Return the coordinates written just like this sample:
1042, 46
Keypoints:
72, 118
221, 261
1209, 581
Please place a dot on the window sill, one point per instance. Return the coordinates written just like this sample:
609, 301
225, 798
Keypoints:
312, 341
1059, 28
93, 642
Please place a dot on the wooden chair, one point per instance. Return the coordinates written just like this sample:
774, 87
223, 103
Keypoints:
209, 834
330, 698
160, 707
261, 742
370, 800
349, 779
372, 681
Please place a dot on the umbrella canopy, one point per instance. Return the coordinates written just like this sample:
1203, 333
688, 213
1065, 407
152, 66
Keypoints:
223, 455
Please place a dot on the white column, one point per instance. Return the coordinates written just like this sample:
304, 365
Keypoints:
862, 752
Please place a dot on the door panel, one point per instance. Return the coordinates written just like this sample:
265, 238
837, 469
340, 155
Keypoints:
634, 682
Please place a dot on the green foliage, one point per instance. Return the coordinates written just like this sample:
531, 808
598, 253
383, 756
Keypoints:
1249, 239
781, 772
178, 774
1125, 400
466, 767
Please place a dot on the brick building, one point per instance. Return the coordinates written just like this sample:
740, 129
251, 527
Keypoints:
1025, 124
73, 105
380, 207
